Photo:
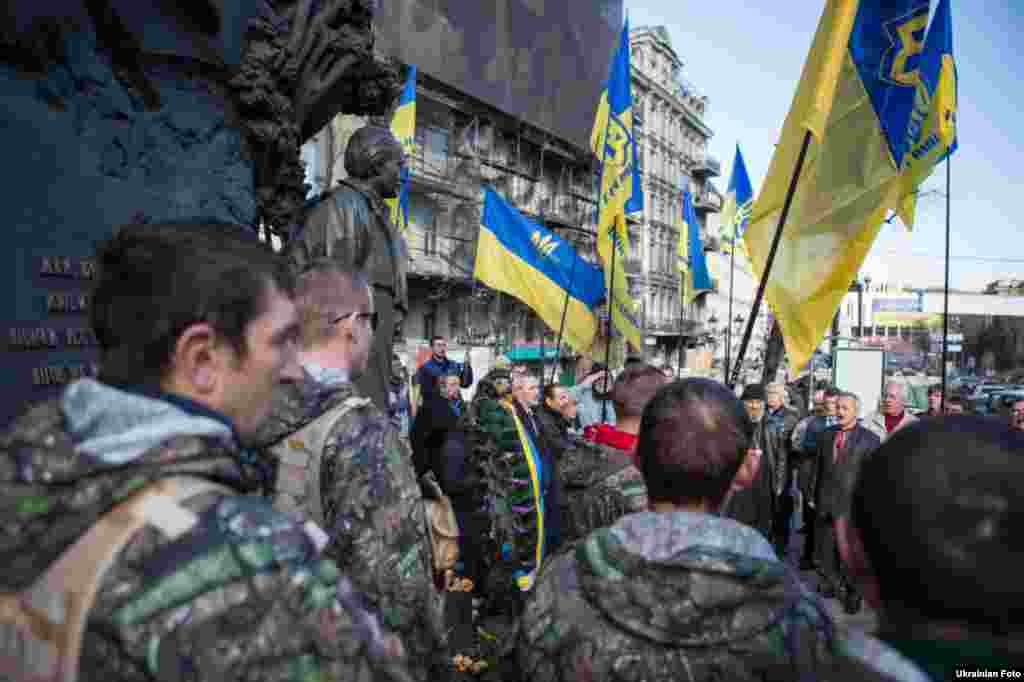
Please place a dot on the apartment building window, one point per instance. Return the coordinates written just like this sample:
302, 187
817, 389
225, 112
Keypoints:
435, 150
424, 217
429, 323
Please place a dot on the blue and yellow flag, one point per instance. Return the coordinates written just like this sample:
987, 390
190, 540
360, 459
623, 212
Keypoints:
739, 200
698, 280
854, 97
931, 135
533, 264
620, 192
403, 126
683, 253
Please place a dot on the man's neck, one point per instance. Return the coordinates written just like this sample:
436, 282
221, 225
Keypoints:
323, 360
628, 424
700, 506
439, 358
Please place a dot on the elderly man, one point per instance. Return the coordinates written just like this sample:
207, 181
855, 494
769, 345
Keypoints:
781, 420
754, 505
632, 390
893, 415
841, 451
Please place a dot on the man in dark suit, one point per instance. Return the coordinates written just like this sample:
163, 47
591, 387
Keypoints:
438, 415
841, 451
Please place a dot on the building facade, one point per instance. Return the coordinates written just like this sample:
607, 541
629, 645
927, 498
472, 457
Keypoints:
463, 143
672, 142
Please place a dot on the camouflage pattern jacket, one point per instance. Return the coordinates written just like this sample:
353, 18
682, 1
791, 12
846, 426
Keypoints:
244, 594
372, 507
599, 484
681, 596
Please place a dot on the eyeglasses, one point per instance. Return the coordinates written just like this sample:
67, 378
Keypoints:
371, 318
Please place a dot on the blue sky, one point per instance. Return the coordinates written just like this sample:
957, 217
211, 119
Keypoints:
746, 56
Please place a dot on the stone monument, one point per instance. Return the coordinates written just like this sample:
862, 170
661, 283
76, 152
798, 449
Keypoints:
121, 111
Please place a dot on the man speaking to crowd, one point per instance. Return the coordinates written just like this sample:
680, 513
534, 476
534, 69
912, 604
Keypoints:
440, 365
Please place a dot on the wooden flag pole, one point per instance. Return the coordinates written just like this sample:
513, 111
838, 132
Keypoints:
611, 306
756, 307
945, 300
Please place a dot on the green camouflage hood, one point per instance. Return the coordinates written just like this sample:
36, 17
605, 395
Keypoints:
66, 462
296, 404
684, 579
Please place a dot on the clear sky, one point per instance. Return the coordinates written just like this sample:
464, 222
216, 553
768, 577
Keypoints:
746, 56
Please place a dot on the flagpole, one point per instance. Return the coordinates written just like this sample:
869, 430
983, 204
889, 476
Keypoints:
611, 305
945, 299
728, 321
756, 307
561, 325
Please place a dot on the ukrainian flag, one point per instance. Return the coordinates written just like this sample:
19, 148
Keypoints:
931, 135
855, 97
613, 142
698, 280
403, 126
533, 264
739, 200
683, 253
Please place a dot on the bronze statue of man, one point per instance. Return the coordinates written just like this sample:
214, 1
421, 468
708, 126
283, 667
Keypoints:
352, 226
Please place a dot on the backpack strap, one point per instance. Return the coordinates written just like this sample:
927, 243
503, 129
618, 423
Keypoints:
300, 456
41, 627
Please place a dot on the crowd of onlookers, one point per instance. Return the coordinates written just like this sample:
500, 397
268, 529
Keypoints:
222, 502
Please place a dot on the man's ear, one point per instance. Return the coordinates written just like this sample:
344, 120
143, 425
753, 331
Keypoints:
853, 554
747, 473
198, 361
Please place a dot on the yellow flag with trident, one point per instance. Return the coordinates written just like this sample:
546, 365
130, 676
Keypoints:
613, 142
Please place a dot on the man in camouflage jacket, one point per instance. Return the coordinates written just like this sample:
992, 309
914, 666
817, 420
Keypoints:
600, 484
340, 461
679, 593
144, 467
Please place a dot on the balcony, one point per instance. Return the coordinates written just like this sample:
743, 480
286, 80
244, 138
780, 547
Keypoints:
673, 327
708, 202
708, 167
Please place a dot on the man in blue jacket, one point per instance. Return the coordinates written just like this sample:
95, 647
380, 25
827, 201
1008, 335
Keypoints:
440, 365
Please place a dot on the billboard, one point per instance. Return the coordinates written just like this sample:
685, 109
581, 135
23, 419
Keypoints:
897, 305
544, 61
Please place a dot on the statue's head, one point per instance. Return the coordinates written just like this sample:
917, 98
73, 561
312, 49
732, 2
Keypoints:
376, 157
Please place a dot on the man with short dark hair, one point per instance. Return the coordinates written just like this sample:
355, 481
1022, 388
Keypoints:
1017, 415
934, 401
633, 388
126, 507
677, 592
340, 462
440, 365
939, 511
954, 405
842, 451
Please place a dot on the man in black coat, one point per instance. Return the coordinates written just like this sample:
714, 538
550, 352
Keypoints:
438, 415
842, 450
754, 505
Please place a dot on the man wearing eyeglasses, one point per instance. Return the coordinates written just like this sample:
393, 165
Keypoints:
341, 462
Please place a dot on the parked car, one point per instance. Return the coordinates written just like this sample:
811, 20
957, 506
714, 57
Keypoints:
999, 404
977, 402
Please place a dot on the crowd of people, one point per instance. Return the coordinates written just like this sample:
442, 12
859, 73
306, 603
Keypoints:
223, 503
